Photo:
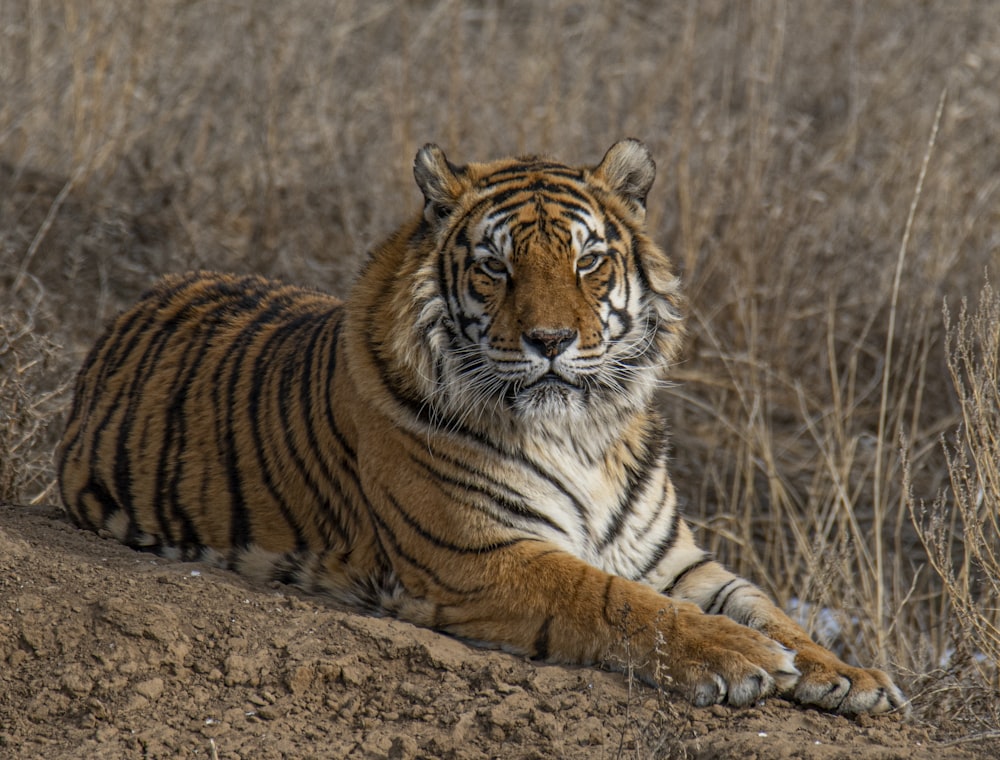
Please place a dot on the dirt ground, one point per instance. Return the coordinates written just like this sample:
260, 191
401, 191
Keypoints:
112, 653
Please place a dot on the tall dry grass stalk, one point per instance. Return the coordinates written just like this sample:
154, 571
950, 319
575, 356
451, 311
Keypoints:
143, 137
960, 530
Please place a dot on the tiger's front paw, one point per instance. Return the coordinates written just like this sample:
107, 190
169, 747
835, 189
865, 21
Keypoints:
832, 685
717, 661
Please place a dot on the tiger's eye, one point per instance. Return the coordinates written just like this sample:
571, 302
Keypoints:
588, 261
493, 265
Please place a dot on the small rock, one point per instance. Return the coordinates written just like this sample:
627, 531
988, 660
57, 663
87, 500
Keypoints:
463, 727
402, 748
238, 670
150, 689
77, 682
271, 712
301, 679
106, 733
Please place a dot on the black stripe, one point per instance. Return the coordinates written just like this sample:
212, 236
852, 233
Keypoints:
217, 292
725, 600
145, 370
665, 545
639, 479
492, 490
269, 367
151, 307
416, 407
718, 592
706, 558
313, 378
176, 294
240, 527
387, 533
541, 646
102, 496
348, 460
115, 339
500, 201
494, 448
167, 492
442, 543
120, 339
529, 166
297, 368
607, 602
510, 199
291, 374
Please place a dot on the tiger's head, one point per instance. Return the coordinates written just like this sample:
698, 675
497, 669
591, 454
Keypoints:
540, 294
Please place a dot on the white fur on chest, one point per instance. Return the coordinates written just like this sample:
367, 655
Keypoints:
589, 504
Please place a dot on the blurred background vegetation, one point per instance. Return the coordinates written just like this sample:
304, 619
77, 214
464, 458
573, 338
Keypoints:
835, 417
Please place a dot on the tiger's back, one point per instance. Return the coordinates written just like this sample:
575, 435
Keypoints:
470, 442
203, 422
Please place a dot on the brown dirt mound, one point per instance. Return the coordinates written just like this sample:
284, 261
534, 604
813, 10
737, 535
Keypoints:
113, 653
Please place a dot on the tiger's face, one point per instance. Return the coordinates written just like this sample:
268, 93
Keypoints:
542, 303
554, 302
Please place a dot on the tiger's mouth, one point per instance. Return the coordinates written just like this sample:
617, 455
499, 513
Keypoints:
551, 380
551, 394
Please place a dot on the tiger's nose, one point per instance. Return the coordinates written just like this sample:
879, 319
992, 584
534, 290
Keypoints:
550, 343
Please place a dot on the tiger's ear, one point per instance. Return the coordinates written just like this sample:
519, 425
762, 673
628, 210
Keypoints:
629, 170
438, 179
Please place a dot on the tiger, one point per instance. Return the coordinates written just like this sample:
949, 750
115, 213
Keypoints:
471, 441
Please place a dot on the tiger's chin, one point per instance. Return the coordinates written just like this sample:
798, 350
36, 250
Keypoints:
549, 398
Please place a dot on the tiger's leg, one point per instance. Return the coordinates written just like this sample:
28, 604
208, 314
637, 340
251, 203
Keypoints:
530, 598
826, 681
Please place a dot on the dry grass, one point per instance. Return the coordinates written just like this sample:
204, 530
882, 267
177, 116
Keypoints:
138, 138
960, 530
29, 401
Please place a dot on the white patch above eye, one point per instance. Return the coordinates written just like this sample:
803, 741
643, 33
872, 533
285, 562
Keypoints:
587, 236
494, 237
493, 248
589, 244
